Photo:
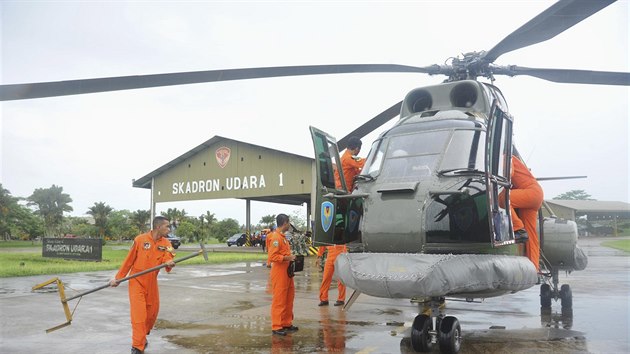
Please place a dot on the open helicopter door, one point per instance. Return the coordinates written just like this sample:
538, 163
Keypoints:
498, 167
333, 203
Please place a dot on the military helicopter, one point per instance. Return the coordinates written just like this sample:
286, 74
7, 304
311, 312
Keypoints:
428, 199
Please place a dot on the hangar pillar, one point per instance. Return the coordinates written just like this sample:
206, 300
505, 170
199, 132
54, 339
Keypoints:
248, 215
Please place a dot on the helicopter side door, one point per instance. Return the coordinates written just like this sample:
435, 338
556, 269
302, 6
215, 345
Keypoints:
333, 201
498, 167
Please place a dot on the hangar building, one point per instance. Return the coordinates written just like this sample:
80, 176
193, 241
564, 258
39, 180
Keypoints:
224, 168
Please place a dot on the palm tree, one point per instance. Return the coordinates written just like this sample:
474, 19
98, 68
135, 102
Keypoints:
268, 220
140, 219
174, 215
51, 203
99, 212
210, 221
7, 204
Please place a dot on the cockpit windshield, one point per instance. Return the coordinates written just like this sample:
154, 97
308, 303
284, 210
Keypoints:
465, 153
405, 157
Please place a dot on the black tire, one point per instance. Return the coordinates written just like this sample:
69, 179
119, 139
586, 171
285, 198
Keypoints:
566, 296
229, 245
420, 336
450, 335
545, 295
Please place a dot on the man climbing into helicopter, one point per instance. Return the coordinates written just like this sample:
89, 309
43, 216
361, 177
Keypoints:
351, 164
526, 195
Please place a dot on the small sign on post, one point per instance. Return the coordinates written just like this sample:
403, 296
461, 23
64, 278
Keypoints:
85, 249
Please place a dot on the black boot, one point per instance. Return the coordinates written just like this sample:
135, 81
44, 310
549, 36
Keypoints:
520, 236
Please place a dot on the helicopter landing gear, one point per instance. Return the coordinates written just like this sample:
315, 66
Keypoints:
431, 327
547, 292
545, 296
421, 337
450, 336
566, 297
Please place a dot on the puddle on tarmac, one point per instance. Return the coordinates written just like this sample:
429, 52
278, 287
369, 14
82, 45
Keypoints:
387, 311
214, 273
241, 305
256, 337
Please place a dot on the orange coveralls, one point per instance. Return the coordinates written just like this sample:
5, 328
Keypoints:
144, 296
351, 167
282, 286
329, 270
267, 242
527, 196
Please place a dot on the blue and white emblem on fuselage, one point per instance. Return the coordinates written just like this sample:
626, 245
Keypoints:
328, 214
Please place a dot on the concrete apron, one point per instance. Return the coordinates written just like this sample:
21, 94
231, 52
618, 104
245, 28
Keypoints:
226, 308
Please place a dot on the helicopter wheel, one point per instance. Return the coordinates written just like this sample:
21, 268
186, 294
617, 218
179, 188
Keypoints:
450, 335
420, 336
545, 295
566, 297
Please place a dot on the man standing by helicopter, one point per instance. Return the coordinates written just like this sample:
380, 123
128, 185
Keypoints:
329, 270
283, 289
527, 196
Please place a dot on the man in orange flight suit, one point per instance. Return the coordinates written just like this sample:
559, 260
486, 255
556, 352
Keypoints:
527, 196
148, 250
351, 164
329, 270
282, 285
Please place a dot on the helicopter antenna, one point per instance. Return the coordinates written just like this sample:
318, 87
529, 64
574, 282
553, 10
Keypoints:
530, 153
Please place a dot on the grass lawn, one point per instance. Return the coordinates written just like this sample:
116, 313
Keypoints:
25, 263
21, 244
623, 245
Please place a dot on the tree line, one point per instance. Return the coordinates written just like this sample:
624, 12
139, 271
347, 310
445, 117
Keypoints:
42, 215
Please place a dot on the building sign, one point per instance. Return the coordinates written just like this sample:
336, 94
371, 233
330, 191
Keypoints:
86, 249
214, 185
233, 170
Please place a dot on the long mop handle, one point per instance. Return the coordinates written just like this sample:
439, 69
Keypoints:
134, 275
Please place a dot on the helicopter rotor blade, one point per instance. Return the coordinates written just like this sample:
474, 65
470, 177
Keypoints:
556, 19
559, 178
568, 75
83, 86
371, 125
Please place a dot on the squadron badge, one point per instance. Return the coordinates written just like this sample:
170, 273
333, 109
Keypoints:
327, 212
146, 245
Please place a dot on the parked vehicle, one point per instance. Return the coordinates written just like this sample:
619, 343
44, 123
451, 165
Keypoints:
237, 239
175, 241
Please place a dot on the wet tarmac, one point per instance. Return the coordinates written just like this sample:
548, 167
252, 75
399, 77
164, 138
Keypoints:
225, 309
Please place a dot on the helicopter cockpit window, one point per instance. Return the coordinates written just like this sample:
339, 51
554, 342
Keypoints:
409, 157
374, 159
500, 149
465, 151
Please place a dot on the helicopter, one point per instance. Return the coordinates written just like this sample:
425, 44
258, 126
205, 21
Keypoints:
460, 104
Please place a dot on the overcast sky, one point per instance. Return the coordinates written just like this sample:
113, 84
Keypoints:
94, 145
